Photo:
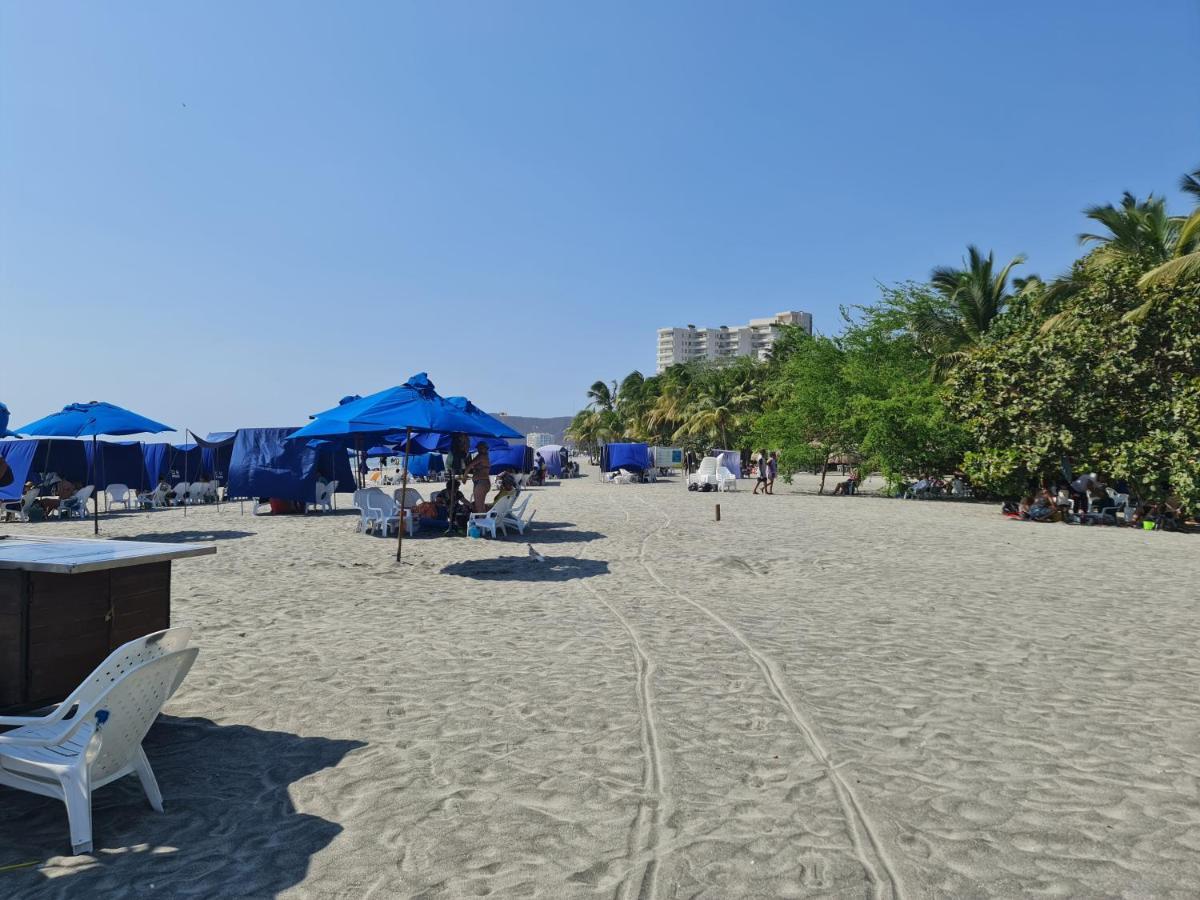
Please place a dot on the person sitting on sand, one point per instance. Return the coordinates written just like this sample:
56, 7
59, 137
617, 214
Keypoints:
1100, 501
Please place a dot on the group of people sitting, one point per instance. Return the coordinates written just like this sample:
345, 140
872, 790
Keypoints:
1088, 500
929, 487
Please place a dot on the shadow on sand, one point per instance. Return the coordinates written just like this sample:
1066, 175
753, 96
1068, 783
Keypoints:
555, 533
229, 830
183, 537
526, 568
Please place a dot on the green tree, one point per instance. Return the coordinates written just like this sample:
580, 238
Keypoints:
971, 297
809, 419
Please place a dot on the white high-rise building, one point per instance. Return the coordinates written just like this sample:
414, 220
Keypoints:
680, 345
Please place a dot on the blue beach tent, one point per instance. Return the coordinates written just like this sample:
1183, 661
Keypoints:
552, 458
515, 458
422, 465
31, 459
630, 457
117, 462
265, 463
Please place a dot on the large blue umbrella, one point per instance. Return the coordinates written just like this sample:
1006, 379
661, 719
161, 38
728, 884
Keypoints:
410, 407
488, 426
91, 420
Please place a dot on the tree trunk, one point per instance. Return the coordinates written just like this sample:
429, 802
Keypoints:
824, 472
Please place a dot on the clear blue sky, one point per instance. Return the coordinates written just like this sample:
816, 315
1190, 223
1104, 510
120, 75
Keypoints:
227, 214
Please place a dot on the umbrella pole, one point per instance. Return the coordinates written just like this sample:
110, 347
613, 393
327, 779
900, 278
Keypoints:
403, 497
95, 493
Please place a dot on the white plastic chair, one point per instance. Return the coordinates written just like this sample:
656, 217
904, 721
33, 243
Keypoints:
323, 497
494, 518
117, 493
157, 498
69, 759
76, 505
381, 511
411, 497
359, 502
195, 493
181, 493
516, 517
129, 655
726, 480
20, 508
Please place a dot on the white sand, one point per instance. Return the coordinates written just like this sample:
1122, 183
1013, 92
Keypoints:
817, 697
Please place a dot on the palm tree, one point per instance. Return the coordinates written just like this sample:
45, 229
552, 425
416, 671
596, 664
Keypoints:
1138, 230
971, 299
720, 404
1185, 253
603, 396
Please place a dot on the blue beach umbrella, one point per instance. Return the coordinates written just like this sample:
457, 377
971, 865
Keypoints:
414, 406
91, 420
407, 408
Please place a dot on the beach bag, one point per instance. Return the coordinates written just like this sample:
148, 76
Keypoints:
693, 487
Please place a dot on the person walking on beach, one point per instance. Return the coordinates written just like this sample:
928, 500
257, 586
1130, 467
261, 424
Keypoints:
479, 468
762, 472
772, 466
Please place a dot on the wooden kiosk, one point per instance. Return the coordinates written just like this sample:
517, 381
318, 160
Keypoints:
65, 604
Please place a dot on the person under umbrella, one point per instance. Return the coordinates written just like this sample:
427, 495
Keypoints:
480, 470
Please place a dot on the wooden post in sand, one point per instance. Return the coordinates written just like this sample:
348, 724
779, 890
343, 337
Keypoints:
718, 512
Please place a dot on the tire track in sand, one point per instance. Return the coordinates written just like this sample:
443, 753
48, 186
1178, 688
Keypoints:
646, 836
863, 833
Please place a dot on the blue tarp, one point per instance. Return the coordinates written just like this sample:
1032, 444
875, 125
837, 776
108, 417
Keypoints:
174, 462
518, 458
265, 464
631, 457
422, 465
552, 458
66, 457
19, 456
120, 462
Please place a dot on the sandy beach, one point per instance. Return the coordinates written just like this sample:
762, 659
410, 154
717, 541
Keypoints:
814, 697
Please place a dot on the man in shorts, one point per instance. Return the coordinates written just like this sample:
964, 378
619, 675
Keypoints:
762, 472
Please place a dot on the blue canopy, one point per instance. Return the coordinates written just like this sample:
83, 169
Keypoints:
267, 463
631, 457
422, 465
413, 405
19, 456
116, 462
515, 458
439, 442
39, 457
551, 455
91, 419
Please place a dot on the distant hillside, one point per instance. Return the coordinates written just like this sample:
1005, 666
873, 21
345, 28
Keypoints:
528, 424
